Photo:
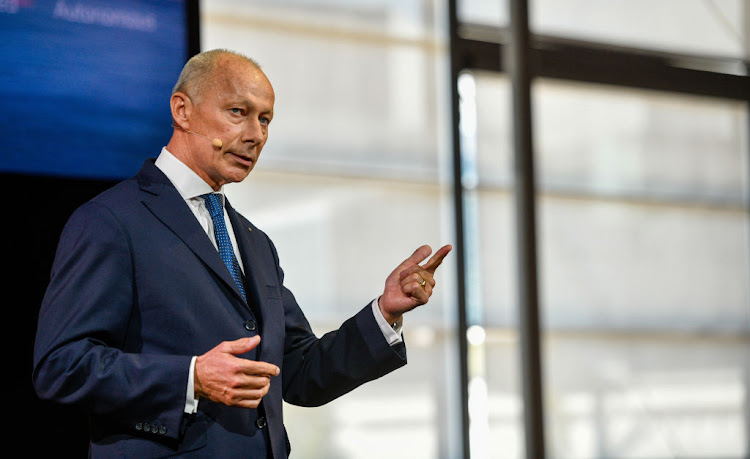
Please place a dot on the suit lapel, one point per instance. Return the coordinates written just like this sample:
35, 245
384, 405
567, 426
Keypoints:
263, 289
162, 199
253, 246
246, 245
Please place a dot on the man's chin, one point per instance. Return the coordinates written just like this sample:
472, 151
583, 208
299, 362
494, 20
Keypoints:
239, 174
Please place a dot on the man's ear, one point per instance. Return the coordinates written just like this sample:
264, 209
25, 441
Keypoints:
182, 109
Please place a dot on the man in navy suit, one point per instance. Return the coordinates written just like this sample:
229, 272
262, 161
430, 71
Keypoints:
166, 316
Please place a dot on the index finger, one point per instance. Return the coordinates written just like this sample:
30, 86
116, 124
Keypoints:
437, 259
420, 254
255, 368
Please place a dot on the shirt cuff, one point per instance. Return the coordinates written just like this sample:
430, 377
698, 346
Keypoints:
392, 334
191, 401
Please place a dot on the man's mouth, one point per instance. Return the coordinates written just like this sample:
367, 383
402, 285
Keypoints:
243, 159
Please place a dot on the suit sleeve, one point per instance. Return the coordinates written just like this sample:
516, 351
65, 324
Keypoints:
318, 370
82, 353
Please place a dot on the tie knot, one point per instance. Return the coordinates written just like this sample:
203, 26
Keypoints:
213, 204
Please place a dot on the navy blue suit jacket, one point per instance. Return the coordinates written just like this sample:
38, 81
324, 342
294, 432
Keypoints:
137, 289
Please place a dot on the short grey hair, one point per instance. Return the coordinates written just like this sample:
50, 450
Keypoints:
199, 69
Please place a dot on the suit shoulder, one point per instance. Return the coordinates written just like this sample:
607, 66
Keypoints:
123, 192
126, 193
104, 207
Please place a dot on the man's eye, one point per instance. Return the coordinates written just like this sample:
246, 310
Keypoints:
236, 111
265, 120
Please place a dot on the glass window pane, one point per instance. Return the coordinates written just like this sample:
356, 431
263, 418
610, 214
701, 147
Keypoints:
716, 28
355, 84
643, 220
504, 405
643, 246
643, 238
608, 264
700, 27
495, 405
640, 144
634, 395
484, 12
494, 130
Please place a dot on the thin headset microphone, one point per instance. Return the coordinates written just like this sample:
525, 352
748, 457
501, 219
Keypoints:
215, 142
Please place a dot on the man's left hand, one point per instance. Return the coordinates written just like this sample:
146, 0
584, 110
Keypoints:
410, 284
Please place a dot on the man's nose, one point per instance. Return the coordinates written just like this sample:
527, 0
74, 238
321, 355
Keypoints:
253, 132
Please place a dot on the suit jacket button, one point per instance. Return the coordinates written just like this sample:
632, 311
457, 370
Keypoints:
139, 426
261, 423
154, 429
250, 325
146, 427
163, 430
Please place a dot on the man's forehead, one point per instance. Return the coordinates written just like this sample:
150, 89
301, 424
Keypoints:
238, 75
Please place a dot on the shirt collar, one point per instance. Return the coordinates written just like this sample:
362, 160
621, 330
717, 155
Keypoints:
188, 183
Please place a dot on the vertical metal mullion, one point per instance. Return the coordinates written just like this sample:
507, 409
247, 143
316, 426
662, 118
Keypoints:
460, 246
525, 203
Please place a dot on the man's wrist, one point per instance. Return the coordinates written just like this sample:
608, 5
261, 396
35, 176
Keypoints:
394, 321
391, 330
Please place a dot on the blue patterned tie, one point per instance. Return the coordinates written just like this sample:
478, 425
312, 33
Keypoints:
215, 208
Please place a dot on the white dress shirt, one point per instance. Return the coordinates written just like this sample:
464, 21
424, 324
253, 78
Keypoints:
191, 186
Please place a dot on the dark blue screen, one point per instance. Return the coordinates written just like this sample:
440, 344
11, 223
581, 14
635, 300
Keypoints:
85, 85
